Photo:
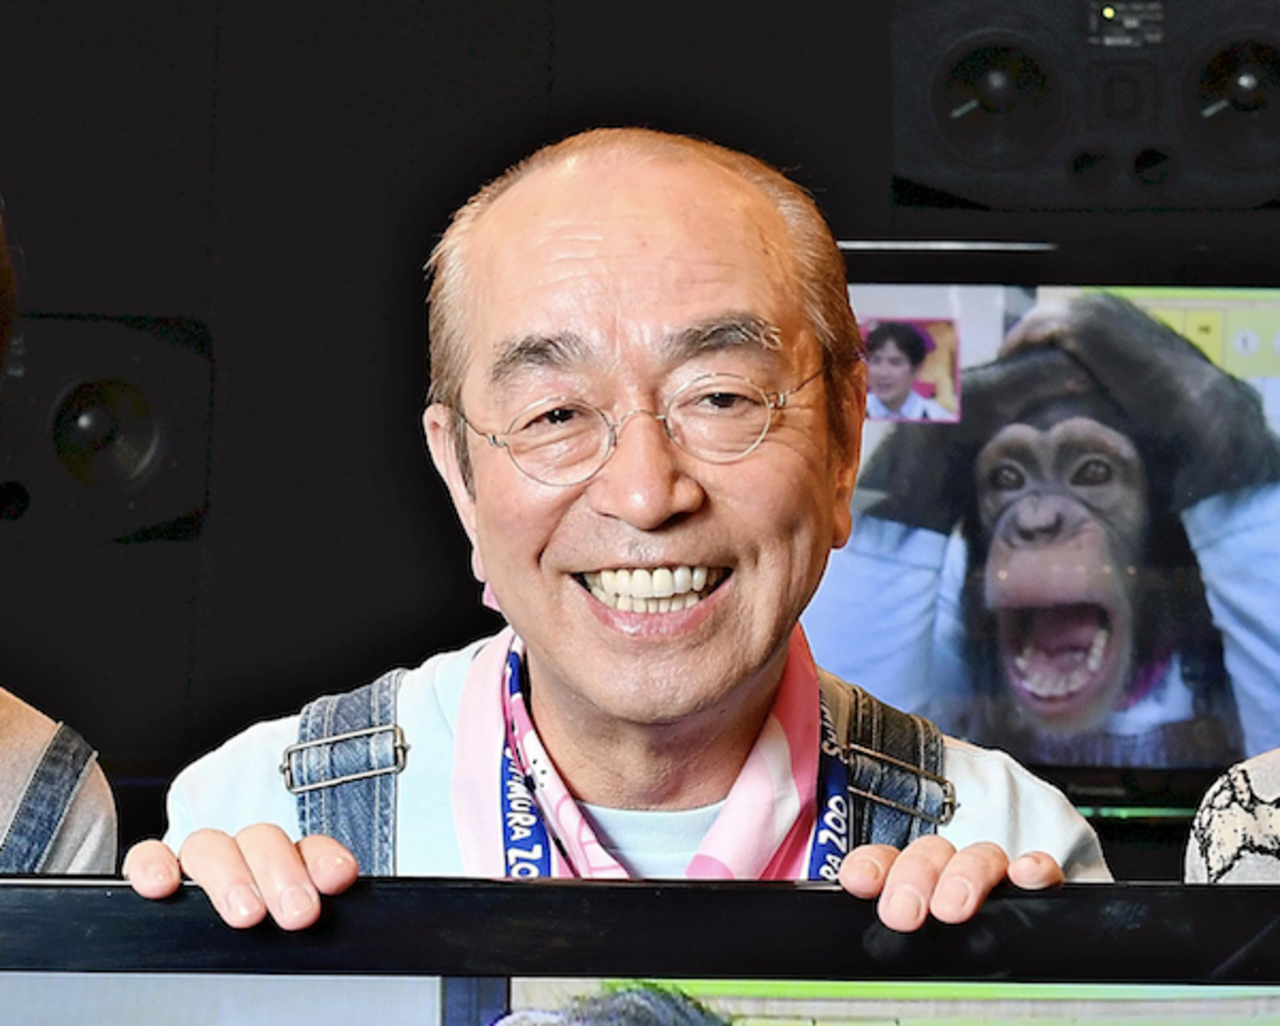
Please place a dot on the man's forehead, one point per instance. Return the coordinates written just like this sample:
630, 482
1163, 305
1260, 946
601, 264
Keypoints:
560, 221
613, 194
591, 250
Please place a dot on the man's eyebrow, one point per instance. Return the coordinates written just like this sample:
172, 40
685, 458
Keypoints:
564, 349
567, 349
727, 331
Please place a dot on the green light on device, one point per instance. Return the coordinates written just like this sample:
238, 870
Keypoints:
1134, 812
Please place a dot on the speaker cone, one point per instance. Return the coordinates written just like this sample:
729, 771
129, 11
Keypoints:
1233, 104
104, 430
105, 435
997, 105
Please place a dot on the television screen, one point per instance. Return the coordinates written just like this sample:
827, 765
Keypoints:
1067, 523
199, 999
701, 1002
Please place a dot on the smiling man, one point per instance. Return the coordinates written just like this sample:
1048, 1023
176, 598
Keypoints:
647, 399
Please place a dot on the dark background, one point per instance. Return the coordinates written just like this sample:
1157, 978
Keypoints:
275, 174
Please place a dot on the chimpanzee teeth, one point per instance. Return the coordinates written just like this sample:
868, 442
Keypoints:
1046, 683
1097, 649
1055, 685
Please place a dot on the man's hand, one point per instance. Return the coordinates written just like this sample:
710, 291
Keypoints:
930, 877
260, 870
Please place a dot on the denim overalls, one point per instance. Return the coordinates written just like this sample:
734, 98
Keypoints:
43, 806
343, 769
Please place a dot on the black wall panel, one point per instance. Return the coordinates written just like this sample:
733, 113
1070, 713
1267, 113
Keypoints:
345, 136
106, 139
804, 88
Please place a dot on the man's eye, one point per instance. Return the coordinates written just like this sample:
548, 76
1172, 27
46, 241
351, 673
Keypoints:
1094, 471
562, 417
1007, 479
724, 401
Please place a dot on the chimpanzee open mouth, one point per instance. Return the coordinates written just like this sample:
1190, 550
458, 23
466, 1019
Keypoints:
1053, 654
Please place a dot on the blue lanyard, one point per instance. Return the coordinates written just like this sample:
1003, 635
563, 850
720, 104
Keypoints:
832, 832
527, 842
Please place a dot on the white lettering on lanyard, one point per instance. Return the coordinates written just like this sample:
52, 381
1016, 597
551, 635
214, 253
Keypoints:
519, 815
524, 862
833, 832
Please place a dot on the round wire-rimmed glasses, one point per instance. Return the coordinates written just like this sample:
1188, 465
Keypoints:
562, 441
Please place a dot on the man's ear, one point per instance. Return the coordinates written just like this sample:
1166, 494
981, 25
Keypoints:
438, 426
853, 409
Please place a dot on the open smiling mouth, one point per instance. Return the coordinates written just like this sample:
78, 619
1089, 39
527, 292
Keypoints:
1054, 654
663, 589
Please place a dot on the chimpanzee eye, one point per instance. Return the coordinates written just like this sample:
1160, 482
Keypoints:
1093, 471
1006, 478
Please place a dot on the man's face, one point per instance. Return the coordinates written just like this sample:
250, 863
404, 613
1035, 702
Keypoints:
890, 375
605, 281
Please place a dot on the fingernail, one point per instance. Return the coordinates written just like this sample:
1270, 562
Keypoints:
159, 874
296, 901
866, 869
906, 905
334, 863
954, 893
242, 901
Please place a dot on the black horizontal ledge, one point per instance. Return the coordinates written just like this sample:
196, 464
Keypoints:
1123, 933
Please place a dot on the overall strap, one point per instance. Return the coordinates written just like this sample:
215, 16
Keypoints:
896, 788
52, 788
343, 771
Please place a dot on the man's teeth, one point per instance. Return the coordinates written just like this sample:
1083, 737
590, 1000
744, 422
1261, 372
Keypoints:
1047, 682
660, 590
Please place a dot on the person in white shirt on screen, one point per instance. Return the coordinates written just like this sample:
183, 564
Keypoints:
895, 352
647, 398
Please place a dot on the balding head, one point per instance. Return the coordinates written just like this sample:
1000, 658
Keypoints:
815, 261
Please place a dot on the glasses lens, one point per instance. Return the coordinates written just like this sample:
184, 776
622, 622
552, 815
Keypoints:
558, 441
719, 417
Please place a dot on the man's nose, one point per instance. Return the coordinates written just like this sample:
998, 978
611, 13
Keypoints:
647, 479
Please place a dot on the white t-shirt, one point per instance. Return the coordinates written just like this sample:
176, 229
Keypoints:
914, 407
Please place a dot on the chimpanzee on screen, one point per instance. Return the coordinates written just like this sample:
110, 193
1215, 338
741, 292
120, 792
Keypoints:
1085, 569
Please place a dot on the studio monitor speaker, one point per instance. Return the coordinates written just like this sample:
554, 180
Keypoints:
1076, 104
104, 429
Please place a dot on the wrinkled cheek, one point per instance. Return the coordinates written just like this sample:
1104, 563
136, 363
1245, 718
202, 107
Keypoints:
514, 534
493, 559
805, 559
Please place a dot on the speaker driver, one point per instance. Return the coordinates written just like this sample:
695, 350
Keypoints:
104, 430
997, 105
1234, 104
106, 436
